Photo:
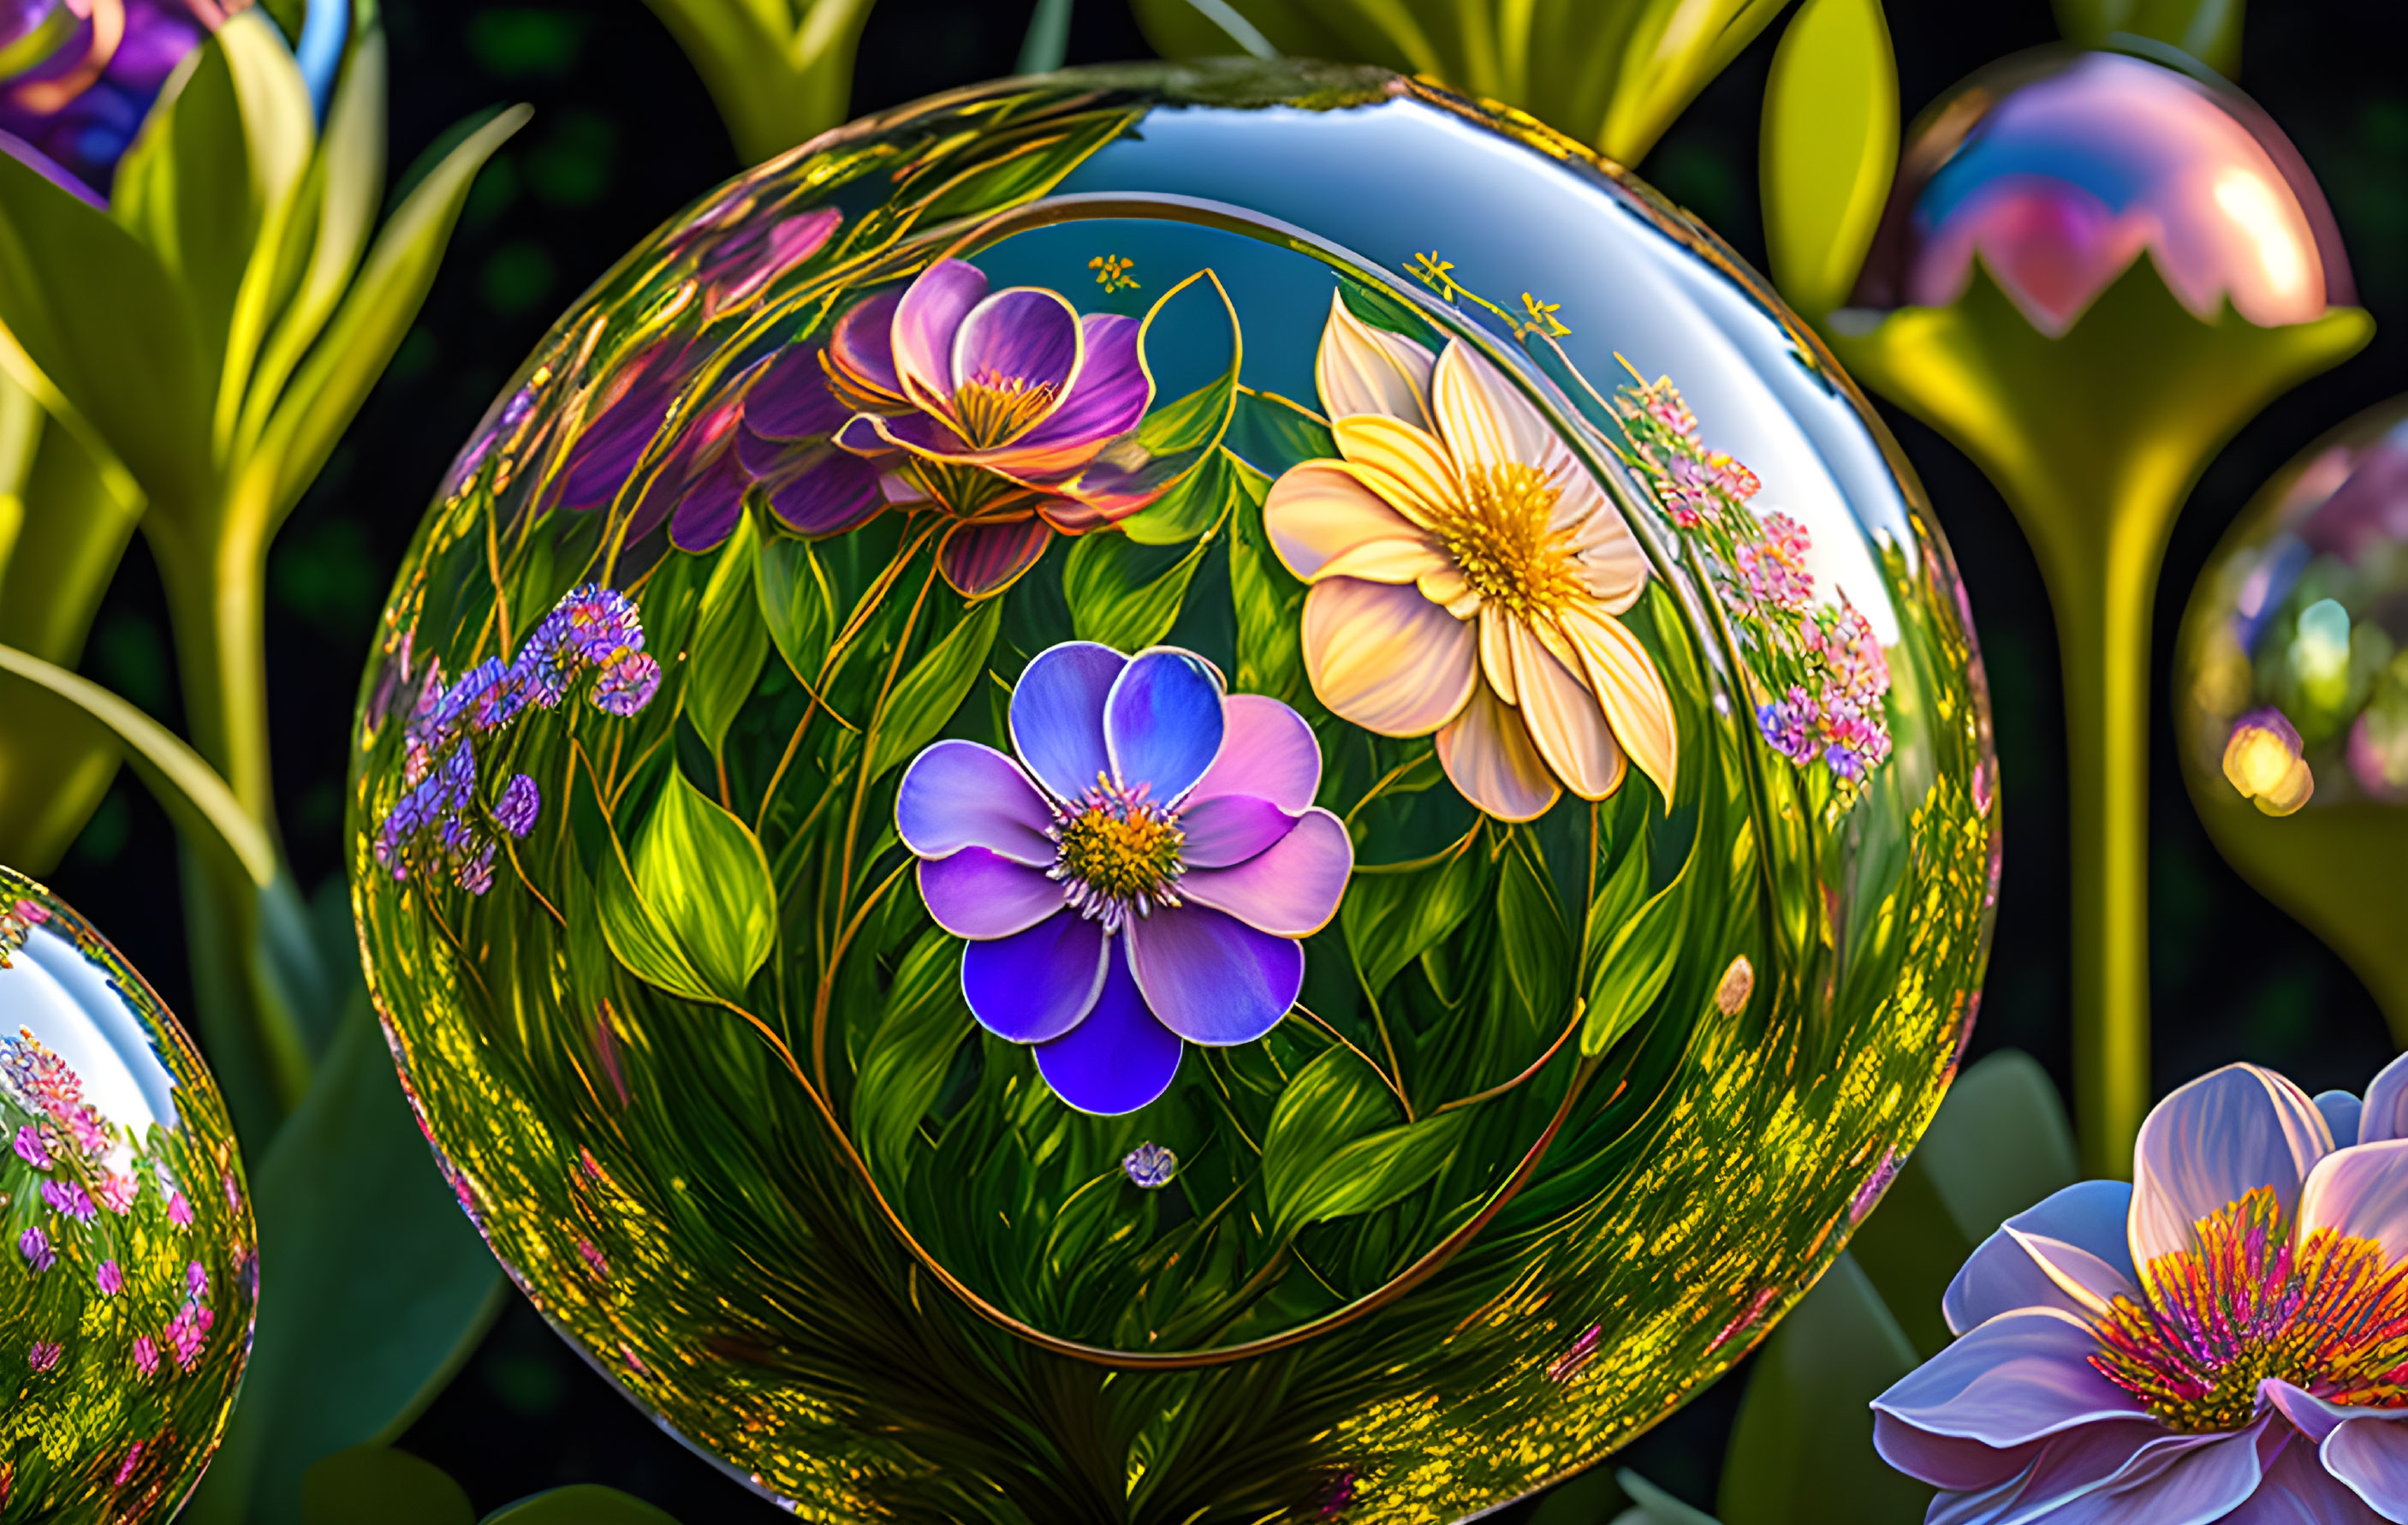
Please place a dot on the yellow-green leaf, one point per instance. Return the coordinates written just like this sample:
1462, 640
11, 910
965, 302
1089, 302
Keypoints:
701, 872
926, 696
1830, 148
730, 641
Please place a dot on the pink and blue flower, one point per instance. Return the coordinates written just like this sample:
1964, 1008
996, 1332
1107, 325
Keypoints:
1139, 878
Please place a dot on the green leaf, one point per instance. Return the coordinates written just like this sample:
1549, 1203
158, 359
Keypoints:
730, 641
1332, 1102
1121, 593
1830, 148
194, 797
2206, 30
638, 939
378, 1288
925, 697
1536, 944
926, 1022
1372, 1173
1652, 1505
1801, 1451
1031, 172
798, 606
352, 352
580, 1504
1270, 433
701, 873
1187, 511
1269, 602
1392, 912
774, 86
1639, 955
374, 1485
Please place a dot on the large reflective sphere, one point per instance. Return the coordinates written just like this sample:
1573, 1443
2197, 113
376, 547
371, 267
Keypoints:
2291, 695
1174, 796
2058, 167
128, 1268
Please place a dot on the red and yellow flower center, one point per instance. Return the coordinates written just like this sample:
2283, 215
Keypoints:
1117, 854
2328, 1314
1499, 534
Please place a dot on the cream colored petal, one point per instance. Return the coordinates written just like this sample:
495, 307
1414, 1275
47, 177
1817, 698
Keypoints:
1628, 684
1386, 561
1386, 657
1404, 465
1320, 510
1488, 755
1611, 566
1363, 369
1564, 719
1484, 417
1445, 585
1497, 651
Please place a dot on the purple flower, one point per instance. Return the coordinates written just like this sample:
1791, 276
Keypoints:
1139, 878
197, 1280
739, 249
515, 812
72, 115
186, 1332
179, 1211
35, 1246
1789, 725
1009, 411
628, 685
68, 1198
2223, 1339
1775, 567
44, 1354
472, 869
30, 1148
1151, 1166
146, 1354
109, 1278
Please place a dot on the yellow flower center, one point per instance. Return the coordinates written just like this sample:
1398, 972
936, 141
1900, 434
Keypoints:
1499, 535
1116, 854
990, 410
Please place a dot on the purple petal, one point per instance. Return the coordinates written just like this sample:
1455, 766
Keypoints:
2212, 1141
978, 894
710, 506
825, 490
1948, 1463
1057, 716
2361, 1192
2176, 1480
1230, 829
862, 348
602, 457
1292, 888
1039, 984
2341, 1113
2385, 1115
791, 399
1110, 395
2308, 1413
1161, 722
2017, 1378
1119, 1057
959, 794
2058, 1470
2370, 1456
2298, 1491
1210, 978
926, 324
979, 560
1266, 751
1024, 338
2002, 1275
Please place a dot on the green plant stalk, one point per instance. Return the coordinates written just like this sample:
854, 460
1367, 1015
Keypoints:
774, 87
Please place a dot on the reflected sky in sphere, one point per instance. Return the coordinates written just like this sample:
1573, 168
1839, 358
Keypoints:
2059, 167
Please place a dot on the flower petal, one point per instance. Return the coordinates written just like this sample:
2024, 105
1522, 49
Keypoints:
927, 321
861, 351
2080, 1231
2298, 1491
1161, 722
2212, 1141
1290, 887
1565, 721
1488, 754
1484, 417
1209, 977
1626, 684
1039, 984
1386, 657
2177, 1480
2386, 1112
1229, 829
825, 490
1119, 1057
2308, 1413
979, 560
791, 399
1266, 751
1057, 716
708, 506
1108, 399
1409, 468
980, 894
2341, 1112
1021, 341
1948, 1463
2361, 1192
1363, 369
1497, 651
1611, 566
2371, 1457
2018, 1378
959, 794
1319, 513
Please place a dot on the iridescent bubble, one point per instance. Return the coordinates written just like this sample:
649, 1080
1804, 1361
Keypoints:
2058, 167
129, 1270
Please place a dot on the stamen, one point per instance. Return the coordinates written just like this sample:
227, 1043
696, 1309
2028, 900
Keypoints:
1116, 854
1501, 537
994, 410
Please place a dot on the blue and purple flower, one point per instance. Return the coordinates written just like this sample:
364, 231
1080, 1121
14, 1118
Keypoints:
1140, 878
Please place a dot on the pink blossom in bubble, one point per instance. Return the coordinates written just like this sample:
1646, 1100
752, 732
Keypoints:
44, 1354
179, 1212
30, 1147
146, 1354
116, 1193
109, 1278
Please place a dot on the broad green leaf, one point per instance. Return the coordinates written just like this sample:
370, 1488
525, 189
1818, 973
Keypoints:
580, 1504
280, 132
1332, 1102
1122, 593
730, 641
637, 937
1624, 891
2206, 30
926, 1022
1191, 506
775, 85
1269, 602
365, 330
1652, 1505
1270, 433
194, 795
1033, 171
375, 1485
378, 1285
1369, 1174
1536, 944
1801, 1451
1392, 912
1048, 39
700, 871
926, 696
1830, 148
1638, 959
798, 606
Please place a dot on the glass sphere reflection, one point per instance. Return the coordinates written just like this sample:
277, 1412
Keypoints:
852, 812
2292, 694
129, 1271
2058, 167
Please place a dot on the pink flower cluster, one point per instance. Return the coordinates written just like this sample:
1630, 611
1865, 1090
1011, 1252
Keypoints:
1774, 568
17, 922
1841, 719
39, 1082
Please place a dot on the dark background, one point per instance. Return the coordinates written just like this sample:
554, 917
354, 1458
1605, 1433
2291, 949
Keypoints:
624, 135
